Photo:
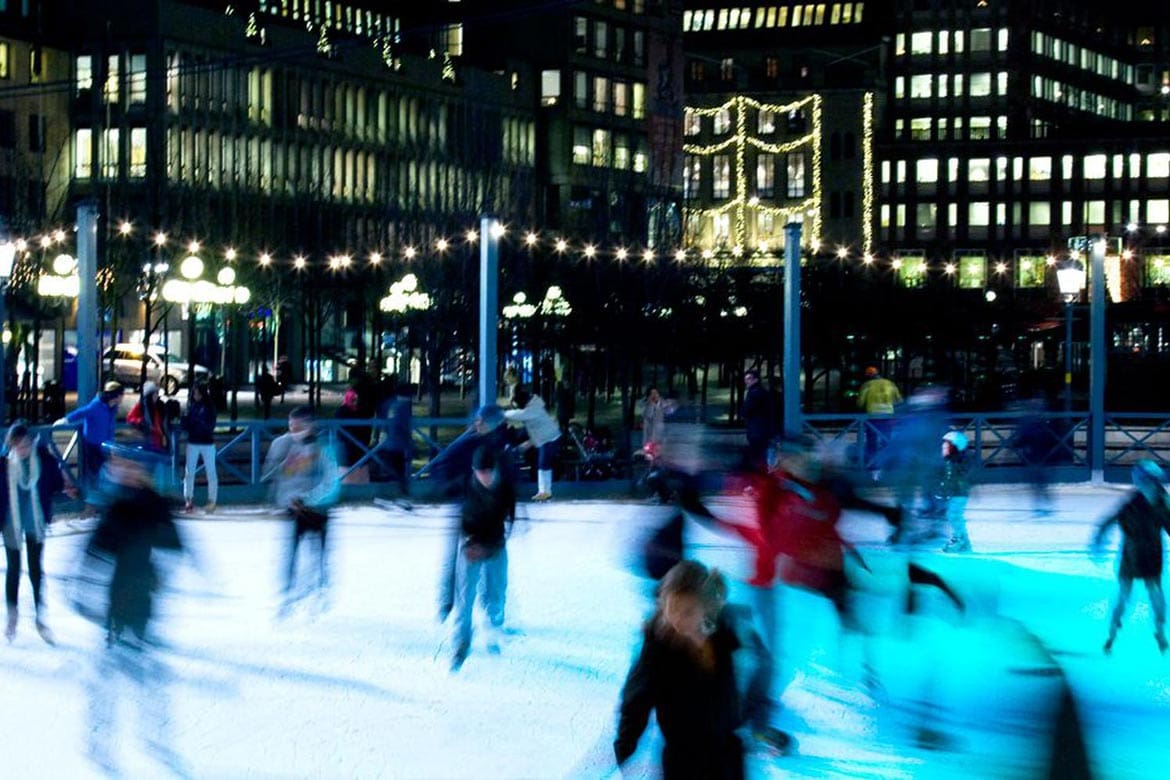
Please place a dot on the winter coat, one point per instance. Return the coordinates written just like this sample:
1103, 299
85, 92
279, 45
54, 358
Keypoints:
199, 422
98, 421
878, 396
154, 431
303, 469
541, 427
1142, 524
953, 482
758, 413
654, 421
136, 523
698, 710
486, 512
49, 484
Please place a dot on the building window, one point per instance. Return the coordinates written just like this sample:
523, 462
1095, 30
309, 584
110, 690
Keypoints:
1095, 166
721, 227
621, 98
600, 40
1158, 211
795, 174
601, 153
765, 175
550, 87
980, 128
639, 102
621, 151
83, 153
771, 67
979, 84
111, 154
1095, 212
581, 150
980, 39
920, 85
137, 152
720, 176
911, 271
766, 122
641, 156
927, 170
722, 122
5, 52
136, 88
727, 69
692, 177
1030, 270
920, 128
979, 214
920, 42
581, 34
1040, 213
972, 272
113, 77
979, 169
1040, 168
697, 73
926, 216
1158, 165
600, 93
639, 47
692, 125
84, 65
580, 89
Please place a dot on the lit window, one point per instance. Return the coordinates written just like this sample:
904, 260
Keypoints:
692, 125
1001, 39
692, 177
926, 217
900, 172
721, 227
979, 169
885, 171
641, 155
639, 101
721, 176
1001, 169
113, 76
980, 128
927, 170
83, 154
940, 84
920, 85
920, 128
899, 87
979, 214
1030, 270
979, 84
766, 122
1001, 83
1066, 167
581, 145
981, 39
920, 42
4, 55
137, 152
136, 87
1158, 165
621, 98
550, 87
1040, 168
601, 150
1095, 212
722, 122
1158, 211
1095, 166
600, 93
952, 170
600, 40
580, 89
766, 175
84, 69
944, 39
884, 219
621, 151
795, 171
972, 271
1040, 213
110, 153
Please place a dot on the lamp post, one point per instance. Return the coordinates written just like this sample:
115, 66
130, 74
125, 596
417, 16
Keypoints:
520, 309
192, 290
404, 296
7, 258
1070, 278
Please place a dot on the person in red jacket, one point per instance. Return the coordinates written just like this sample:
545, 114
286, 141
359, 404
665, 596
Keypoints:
150, 418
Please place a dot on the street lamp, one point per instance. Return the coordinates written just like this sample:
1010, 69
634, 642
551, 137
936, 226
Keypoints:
1070, 278
404, 296
194, 290
7, 258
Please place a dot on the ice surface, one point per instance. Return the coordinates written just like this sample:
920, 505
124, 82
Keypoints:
359, 686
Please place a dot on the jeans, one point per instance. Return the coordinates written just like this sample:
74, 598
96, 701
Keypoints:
494, 571
207, 453
956, 508
12, 580
546, 456
306, 521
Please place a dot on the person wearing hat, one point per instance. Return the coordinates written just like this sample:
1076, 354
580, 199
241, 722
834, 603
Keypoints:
30, 475
1142, 518
485, 518
98, 420
150, 418
878, 397
306, 484
953, 490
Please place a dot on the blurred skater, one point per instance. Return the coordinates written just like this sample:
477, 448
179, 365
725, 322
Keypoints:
306, 484
543, 433
953, 489
908, 463
122, 560
685, 674
485, 520
32, 476
1143, 518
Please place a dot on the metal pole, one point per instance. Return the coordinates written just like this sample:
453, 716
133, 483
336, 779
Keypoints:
87, 301
489, 294
793, 424
1068, 334
1098, 357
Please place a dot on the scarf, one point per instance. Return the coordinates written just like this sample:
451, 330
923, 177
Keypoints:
15, 484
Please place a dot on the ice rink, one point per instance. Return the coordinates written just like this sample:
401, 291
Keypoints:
358, 686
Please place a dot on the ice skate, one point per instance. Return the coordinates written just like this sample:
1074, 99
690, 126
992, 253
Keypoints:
46, 634
542, 496
457, 661
957, 545
1112, 637
773, 739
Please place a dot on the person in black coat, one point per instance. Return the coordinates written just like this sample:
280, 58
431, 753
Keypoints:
1143, 518
30, 476
758, 413
685, 674
199, 423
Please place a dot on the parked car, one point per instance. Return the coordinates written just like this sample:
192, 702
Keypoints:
127, 360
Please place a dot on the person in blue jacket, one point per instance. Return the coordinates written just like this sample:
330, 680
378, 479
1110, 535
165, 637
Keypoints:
98, 419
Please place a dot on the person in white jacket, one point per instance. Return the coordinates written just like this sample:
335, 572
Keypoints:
543, 433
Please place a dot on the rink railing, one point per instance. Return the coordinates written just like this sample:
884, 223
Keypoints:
1129, 436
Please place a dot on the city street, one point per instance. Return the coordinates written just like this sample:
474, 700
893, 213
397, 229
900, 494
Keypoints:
358, 685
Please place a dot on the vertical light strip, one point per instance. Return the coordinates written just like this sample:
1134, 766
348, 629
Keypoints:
867, 173
814, 236
740, 172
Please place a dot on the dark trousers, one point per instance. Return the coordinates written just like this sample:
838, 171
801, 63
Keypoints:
399, 461
306, 521
92, 459
12, 581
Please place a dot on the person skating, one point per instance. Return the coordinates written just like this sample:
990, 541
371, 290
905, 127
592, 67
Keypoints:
1142, 518
306, 484
122, 559
543, 433
98, 420
199, 423
485, 519
32, 476
685, 674
953, 489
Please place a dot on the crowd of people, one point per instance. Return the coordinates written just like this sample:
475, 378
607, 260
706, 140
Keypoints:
685, 669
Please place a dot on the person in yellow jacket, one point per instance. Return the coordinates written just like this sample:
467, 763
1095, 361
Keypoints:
878, 396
